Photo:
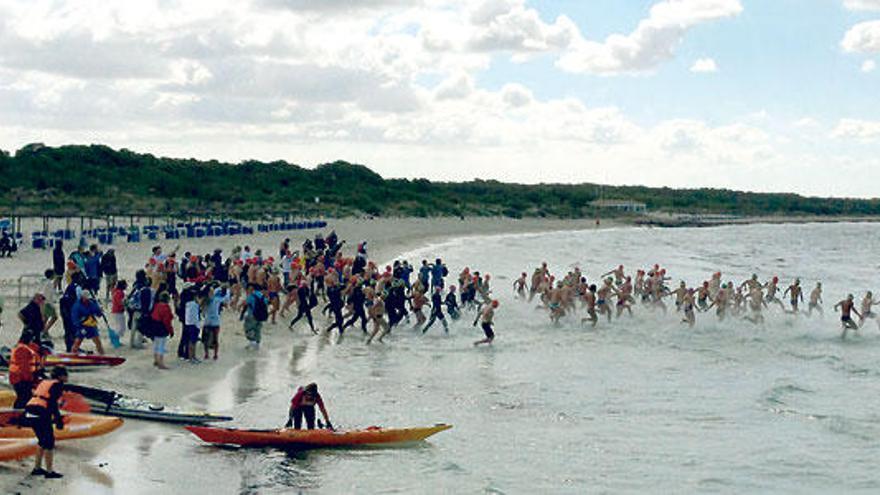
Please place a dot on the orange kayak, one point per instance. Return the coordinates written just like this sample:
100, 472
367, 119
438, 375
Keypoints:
13, 449
75, 425
287, 437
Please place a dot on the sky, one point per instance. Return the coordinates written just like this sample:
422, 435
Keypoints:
760, 95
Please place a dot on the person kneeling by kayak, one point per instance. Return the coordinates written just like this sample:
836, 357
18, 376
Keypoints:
303, 404
41, 413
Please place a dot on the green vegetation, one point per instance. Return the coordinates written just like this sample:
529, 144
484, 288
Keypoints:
99, 181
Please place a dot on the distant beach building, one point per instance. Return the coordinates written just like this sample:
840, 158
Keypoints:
620, 205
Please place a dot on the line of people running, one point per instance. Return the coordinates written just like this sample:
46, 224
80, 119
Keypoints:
617, 293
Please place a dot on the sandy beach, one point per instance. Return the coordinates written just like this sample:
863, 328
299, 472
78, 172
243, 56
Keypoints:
386, 238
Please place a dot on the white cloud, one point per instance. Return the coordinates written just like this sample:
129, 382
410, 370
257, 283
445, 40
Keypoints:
806, 123
862, 4
862, 38
860, 130
653, 41
704, 65
387, 83
869, 66
508, 25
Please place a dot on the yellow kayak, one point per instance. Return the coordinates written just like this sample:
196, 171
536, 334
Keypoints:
75, 425
287, 437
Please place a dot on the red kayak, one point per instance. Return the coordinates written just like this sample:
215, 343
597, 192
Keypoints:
291, 438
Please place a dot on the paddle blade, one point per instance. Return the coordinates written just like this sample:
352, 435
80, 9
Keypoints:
75, 403
114, 338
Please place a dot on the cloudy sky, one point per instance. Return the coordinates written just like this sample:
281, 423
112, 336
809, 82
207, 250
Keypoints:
767, 95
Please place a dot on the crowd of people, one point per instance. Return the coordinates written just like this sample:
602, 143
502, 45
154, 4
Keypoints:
317, 284
617, 292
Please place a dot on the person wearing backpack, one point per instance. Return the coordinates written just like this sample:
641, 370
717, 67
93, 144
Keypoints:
140, 305
68, 299
254, 313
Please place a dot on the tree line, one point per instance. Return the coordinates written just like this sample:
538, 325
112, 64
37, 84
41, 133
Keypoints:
98, 180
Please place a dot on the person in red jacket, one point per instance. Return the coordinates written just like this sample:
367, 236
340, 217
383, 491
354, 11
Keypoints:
162, 318
22, 366
303, 404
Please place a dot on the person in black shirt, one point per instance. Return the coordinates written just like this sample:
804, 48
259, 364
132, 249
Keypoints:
108, 268
32, 316
58, 263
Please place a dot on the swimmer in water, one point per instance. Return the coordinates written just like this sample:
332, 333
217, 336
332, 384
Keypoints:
618, 274
868, 303
847, 306
486, 317
603, 296
796, 294
590, 301
772, 288
816, 300
519, 286
720, 302
687, 306
703, 297
756, 302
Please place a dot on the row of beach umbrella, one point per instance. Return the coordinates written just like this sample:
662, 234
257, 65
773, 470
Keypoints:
181, 230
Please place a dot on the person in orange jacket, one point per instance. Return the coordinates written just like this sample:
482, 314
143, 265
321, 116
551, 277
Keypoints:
41, 414
23, 364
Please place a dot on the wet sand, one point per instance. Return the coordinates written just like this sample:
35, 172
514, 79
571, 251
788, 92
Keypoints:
211, 385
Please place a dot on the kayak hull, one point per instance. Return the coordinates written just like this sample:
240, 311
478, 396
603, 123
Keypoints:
7, 399
13, 449
74, 360
291, 438
75, 425
160, 416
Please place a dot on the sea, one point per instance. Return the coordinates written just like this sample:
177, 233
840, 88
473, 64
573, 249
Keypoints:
643, 404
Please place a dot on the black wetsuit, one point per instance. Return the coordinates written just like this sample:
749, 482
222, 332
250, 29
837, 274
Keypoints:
335, 305
452, 306
304, 306
357, 300
436, 312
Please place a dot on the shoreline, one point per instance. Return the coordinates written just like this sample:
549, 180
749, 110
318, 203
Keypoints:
189, 386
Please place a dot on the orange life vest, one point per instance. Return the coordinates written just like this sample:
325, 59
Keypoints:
41, 394
22, 368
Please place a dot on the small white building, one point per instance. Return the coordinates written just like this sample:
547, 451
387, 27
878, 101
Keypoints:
620, 205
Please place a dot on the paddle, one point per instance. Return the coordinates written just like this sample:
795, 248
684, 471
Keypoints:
114, 337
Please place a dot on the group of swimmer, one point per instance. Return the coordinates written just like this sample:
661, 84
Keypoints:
617, 293
351, 290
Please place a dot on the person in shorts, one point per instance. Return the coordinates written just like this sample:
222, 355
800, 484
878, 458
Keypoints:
41, 414
486, 316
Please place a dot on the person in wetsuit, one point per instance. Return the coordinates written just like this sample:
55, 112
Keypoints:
334, 306
357, 301
437, 310
303, 306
